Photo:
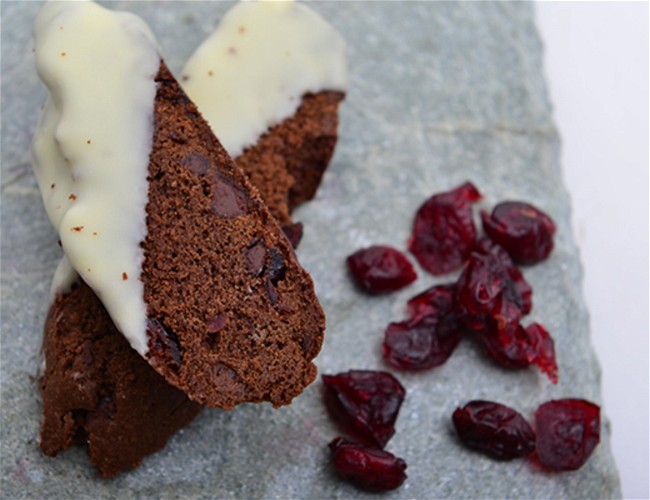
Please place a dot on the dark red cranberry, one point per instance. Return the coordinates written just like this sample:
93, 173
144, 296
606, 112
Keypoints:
495, 429
164, 347
522, 229
568, 430
444, 231
422, 343
543, 348
513, 346
379, 269
504, 338
437, 301
293, 233
371, 469
365, 403
276, 267
488, 275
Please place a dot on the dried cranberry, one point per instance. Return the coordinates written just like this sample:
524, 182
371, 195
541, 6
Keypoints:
379, 269
368, 468
504, 338
543, 348
437, 300
365, 403
495, 429
164, 347
568, 430
514, 346
293, 233
277, 269
444, 231
422, 343
522, 229
488, 275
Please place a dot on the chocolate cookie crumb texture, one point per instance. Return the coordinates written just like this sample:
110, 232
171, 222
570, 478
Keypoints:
215, 256
98, 391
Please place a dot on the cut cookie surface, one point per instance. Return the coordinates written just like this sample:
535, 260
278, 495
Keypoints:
232, 316
269, 80
98, 390
227, 314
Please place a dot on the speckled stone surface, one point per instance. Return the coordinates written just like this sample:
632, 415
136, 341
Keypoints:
440, 93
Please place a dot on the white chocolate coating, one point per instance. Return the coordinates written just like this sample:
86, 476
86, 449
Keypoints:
91, 149
252, 72
64, 277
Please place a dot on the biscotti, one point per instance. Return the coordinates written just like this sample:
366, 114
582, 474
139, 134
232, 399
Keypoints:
205, 286
97, 390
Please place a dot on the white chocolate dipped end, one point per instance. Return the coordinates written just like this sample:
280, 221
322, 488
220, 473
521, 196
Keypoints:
252, 72
91, 149
64, 278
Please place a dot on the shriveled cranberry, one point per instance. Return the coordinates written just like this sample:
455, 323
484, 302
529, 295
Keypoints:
380, 269
276, 268
522, 229
543, 348
513, 346
422, 343
488, 275
568, 430
164, 347
444, 230
368, 468
365, 403
293, 233
495, 429
437, 300
504, 338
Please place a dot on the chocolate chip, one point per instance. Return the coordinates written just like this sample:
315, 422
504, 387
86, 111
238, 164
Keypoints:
228, 200
176, 137
163, 345
217, 323
196, 163
255, 256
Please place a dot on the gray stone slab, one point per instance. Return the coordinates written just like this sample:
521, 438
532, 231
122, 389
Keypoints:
440, 93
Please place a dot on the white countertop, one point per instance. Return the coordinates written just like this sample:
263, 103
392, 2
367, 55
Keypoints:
597, 68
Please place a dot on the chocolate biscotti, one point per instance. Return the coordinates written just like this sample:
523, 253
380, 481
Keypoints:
97, 390
159, 221
77, 318
232, 316
269, 81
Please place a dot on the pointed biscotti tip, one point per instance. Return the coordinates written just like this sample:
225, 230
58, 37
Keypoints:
232, 316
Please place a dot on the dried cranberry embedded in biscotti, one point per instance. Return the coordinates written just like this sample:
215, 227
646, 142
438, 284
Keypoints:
294, 233
164, 347
365, 403
368, 468
495, 429
522, 229
444, 231
380, 269
568, 430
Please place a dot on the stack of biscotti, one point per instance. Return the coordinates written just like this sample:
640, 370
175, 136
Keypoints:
208, 291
